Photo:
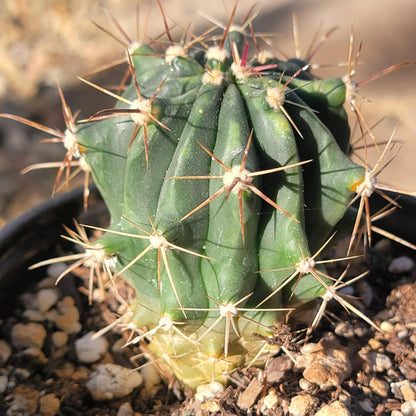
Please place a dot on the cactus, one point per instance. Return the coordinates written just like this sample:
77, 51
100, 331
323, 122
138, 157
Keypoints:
225, 176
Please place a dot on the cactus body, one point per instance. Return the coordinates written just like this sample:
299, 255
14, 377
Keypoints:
234, 180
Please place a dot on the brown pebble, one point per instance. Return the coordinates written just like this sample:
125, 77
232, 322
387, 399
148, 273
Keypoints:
379, 387
49, 405
28, 335
24, 401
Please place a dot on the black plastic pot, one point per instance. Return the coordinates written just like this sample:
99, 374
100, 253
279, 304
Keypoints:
35, 235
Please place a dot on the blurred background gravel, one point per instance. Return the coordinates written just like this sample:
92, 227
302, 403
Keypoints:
50, 40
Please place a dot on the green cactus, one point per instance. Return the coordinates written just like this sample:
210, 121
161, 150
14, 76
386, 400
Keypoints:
221, 179
224, 176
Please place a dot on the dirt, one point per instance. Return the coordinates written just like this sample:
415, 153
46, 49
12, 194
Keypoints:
376, 370
346, 367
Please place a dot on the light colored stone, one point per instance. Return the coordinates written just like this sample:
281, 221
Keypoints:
125, 410
111, 381
401, 265
270, 401
302, 405
90, 349
46, 298
325, 364
408, 390
333, 409
28, 335
49, 405
24, 401
408, 408
208, 391
34, 315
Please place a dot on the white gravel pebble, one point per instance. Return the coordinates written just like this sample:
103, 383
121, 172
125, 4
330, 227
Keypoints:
404, 390
409, 408
401, 265
333, 409
125, 410
302, 405
46, 298
111, 381
28, 335
89, 349
205, 392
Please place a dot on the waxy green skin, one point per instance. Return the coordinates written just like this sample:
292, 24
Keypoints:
249, 265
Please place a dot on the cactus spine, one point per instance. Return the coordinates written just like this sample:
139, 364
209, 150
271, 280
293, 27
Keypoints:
224, 175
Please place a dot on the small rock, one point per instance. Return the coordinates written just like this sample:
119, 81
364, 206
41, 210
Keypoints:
46, 298
56, 269
29, 301
125, 410
49, 405
333, 409
24, 401
379, 387
46, 283
401, 265
111, 381
277, 368
208, 391
270, 401
381, 362
34, 315
36, 354
367, 406
59, 338
376, 361
409, 408
69, 320
404, 390
387, 326
325, 364
302, 405
210, 407
21, 373
5, 352
80, 373
306, 385
150, 375
4, 381
28, 335
89, 349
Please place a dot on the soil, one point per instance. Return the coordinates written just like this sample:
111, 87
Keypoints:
361, 370
345, 367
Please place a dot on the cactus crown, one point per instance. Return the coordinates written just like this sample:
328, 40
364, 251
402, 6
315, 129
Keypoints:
225, 175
